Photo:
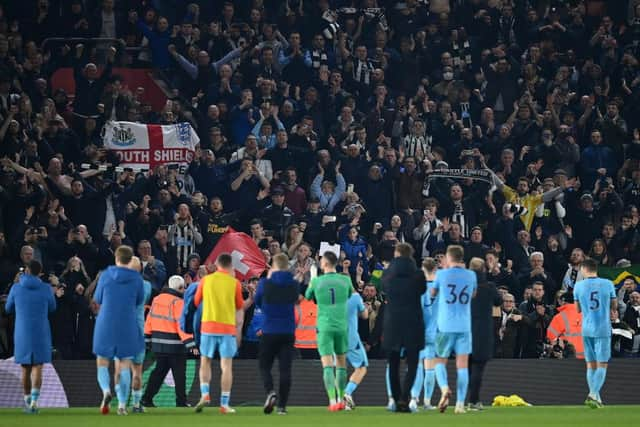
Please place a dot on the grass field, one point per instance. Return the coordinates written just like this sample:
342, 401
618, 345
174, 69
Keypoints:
546, 416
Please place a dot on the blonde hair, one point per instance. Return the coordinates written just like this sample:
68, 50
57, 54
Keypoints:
476, 264
281, 261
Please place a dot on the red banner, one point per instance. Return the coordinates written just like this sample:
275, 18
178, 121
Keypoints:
248, 260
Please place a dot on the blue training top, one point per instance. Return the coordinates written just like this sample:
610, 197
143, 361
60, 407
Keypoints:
594, 296
456, 287
355, 306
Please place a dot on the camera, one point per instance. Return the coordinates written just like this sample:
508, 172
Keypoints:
516, 209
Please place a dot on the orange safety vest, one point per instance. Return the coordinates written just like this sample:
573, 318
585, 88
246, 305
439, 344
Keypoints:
306, 314
162, 326
567, 324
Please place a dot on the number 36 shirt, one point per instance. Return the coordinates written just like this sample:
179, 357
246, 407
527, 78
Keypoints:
456, 287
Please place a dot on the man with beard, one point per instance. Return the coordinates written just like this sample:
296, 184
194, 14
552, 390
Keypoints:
215, 224
573, 273
530, 202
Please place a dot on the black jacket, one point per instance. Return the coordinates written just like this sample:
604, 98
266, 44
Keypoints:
89, 92
277, 219
481, 318
403, 284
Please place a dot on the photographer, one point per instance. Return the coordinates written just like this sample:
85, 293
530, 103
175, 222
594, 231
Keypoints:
537, 317
559, 349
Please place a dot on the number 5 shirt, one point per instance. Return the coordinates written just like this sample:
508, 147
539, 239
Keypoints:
594, 296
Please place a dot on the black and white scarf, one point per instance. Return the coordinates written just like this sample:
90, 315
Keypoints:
362, 71
459, 217
318, 58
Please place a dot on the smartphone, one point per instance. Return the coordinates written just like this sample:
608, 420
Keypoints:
331, 219
313, 271
350, 188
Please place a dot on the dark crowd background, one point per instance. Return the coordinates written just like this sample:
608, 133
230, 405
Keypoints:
319, 121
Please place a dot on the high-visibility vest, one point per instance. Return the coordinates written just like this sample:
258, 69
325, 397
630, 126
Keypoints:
162, 326
567, 324
306, 314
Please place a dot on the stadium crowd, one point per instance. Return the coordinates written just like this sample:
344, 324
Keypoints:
329, 121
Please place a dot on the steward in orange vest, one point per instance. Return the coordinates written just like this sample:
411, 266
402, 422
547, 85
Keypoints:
306, 315
169, 343
567, 325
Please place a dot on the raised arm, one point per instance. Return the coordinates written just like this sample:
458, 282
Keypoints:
188, 67
235, 53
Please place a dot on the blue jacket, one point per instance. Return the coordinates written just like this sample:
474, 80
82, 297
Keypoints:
31, 300
191, 315
256, 325
276, 297
117, 333
595, 157
356, 252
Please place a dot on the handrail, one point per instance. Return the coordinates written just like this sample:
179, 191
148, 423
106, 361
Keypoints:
82, 39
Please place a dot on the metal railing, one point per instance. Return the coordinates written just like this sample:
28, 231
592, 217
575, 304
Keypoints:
125, 55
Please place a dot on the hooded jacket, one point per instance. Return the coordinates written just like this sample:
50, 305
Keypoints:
117, 333
31, 300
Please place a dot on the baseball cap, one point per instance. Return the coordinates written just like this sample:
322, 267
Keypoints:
560, 172
277, 191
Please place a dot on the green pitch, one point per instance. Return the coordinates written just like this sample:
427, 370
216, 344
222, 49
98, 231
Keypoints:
546, 416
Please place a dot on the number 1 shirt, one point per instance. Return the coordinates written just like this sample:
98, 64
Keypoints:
456, 287
594, 296
331, 291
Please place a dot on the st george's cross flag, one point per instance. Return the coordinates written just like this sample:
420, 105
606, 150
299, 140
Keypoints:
145, 146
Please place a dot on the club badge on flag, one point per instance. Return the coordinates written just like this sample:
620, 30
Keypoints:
248, 260
146, 146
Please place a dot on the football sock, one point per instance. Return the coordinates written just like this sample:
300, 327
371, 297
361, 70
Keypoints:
387, 382
125, 386
103, 379
225, 396
341, 381
204, 390
598, 380
329, 379
35, 395
441, 375
463, 384
27, 399
429, 384
417, 383
590, 374
351, 388
136, 395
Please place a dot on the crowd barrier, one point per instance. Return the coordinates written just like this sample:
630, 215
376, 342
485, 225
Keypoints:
540, 382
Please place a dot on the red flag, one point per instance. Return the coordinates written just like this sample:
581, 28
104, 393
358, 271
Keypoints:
248, 260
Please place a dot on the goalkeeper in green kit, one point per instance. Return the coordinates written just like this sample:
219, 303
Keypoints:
331, 292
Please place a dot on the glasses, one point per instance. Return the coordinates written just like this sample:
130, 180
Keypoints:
509, 300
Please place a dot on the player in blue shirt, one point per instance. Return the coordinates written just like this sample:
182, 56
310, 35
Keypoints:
426, 376
31, 300
595, 299
453, 288
136, 369
356, 355
117, 335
